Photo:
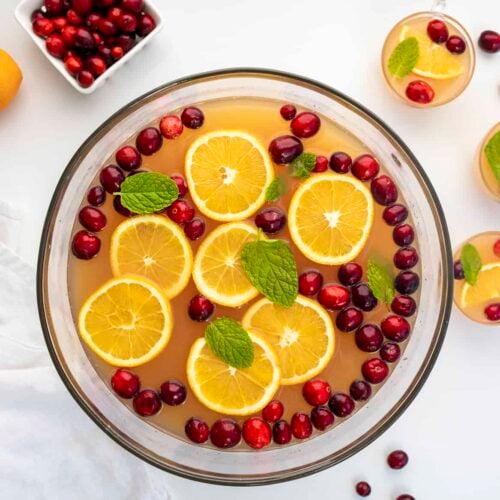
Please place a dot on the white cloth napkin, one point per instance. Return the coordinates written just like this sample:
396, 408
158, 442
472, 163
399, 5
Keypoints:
49, 449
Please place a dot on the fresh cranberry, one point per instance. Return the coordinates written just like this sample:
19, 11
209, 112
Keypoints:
489, 41
496, 248
125, 383
128, 158
73, 64
85, 78
305, 124
273, 411
96, 65
390, 352
195, 228
437, 31
107, 27
180, 211
73, 18
173, 392
334, 297
84, 41
349, 319
360, 390
117, 53
99, 40
145, 25
301, 425
136, 6
147, 403
369, 338
85, 245
82, 7
405, 497
395, 328
492, 312
407, 282
114, 15
270, 220
69, 34
54, 7
365, 167
126, 42
118, 206
92, 219
192, 117
111, 178
181, 184
256, 432
404, 306
455, 45
363, 489
197, 430
104, 4
350, 273
403, 235
363, 297
384, 190
288, 111
200, 308
282, 433
397, 459
316, 392
341, 404
322, 417
225, 433
285, 149
43, 27
92, 21
171, 126
127, 23
60, 23
149, 141
55, 46
374, 370
340, 162
310, 282
406, 258
321, 164
96, 196
395, 214
420, 91
37, 14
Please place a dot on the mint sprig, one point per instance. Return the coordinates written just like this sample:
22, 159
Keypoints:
148, 192
303, 165
230, 342
471, 262
492, 152
380, 281
271, 268
276, 189
404, 57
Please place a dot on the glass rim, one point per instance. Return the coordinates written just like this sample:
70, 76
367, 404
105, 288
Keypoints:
375, 431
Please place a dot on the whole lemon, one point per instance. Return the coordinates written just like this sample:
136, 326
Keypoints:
10, 79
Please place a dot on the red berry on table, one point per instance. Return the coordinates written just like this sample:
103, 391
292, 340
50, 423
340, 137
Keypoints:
403, 235
395, 214
395, 328
54, 7
197, 430
270, 220
384, 190
492, 312
282, 434
195, 228
173, 392
397, 459
349, 319
310, 283
369, 338
420, 91
365, 167
127, 23
390, 352
322, 418
118, 206
301, 425
285, 149
321, 164
92, 219
340, 162
316, 392
288, 111
85, 245
496, 248
128, 158
273, 411
350, 273
55, 45
437, 31
363, 298
96, 65
82, 7
74, 18
341, 404
363, 489
171, 126
405, 497
180, 211
334, 297
149, 141
69, 34
455, 45
96, 196
225, 433
200, 308
256, 432
192, 117
406, 258
117, 53
374, 370
136, 6
305, 124
404, 306
125, 383
489, 41
147, 403
60, 23
85, 78
43, 27
181, 184
145, 25
360, 390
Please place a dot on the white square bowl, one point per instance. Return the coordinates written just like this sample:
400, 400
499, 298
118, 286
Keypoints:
23, 15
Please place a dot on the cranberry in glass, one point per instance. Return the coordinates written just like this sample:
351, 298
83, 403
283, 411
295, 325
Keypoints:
225, 433
405, 497
282, 433
147, 403
73, 18
92, 219
395, 328
126, 42
403, 235
92, 21
285, 149
192, 117
288, 111
54, 7
363, 489
125, 383
406, 258
273, 411
82, 7
349, 319
200, 308
69, 34
395, 214
127, 23
374, 370
111, 178
384, 190
145, 25
316, 392
256, 432
322, 417
85, 78
489, 41
305, 124
85, 245
128, 158
404, 305
171, 126
195, 228
496, 248
363, 297
360, 390
181, 184
96, 196
334, 297
84, 41
390, 352
118, 206
397, 459
270, 220
369, 338
455, 45
321, 164
55, 46
420, 91
301, 425
73, 64
341, 404
149, 141
180, 211
43, 27
340, 162
310, 282
107, 27
365, 167
173, 392
437, 31
117, 53
407, 282
96, 65
492, 312
136, 6
350, 273
196, 430
138, 171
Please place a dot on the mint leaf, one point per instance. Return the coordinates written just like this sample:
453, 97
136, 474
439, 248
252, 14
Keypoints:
276, 189
492, 152
303, 165
271, 268
471, 262
404, 57
230, 342
148, 192
380, 281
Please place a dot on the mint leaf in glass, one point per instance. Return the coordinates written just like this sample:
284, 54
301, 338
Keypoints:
303, 165
404, 57
276, 189
492, 152
380, 281
471, 262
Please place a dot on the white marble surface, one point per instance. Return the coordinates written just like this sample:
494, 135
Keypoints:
451, 430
